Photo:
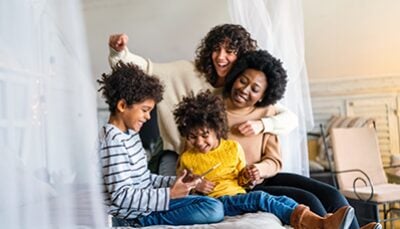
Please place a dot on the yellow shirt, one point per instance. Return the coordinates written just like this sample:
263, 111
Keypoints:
231, 156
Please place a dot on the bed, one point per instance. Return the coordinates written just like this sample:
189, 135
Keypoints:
249, 221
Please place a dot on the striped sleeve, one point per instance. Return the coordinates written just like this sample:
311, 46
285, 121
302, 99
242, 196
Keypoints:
162, 181
128, 181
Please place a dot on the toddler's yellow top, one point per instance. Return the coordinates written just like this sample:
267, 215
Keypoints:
231, 156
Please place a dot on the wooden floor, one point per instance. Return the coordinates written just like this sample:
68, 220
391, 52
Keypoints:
392, 225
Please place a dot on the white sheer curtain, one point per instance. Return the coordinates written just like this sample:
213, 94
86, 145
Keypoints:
48, 127
277, 25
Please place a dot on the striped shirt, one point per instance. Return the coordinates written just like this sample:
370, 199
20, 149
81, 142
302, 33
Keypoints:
130, 190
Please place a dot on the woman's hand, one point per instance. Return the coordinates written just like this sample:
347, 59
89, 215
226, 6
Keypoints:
118, 41
253, 173
249, 175
181, 189
249, 128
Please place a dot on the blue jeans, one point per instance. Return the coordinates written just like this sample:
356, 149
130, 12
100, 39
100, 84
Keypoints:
184, 211
281, 206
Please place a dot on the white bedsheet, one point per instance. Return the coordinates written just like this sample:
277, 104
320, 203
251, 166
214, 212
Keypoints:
249, 221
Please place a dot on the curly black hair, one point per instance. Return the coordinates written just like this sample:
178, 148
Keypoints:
236, 37
129, 82
203, 110
273, 70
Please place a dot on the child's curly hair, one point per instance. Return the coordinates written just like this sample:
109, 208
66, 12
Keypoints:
203, 110
236, 37
129, 82
273, 70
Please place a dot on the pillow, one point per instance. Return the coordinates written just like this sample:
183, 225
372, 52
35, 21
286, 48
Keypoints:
339, 122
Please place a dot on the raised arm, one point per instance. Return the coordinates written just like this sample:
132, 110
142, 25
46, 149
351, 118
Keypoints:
119, 52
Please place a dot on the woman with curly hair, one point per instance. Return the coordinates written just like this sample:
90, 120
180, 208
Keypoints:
216, 55
224, 44
202, 121
258, 81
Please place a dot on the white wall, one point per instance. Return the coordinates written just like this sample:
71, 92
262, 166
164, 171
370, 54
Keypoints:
159, 29
354, 38
353, 61
343, 38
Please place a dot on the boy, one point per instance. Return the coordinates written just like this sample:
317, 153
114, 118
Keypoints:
202, 121
133, 195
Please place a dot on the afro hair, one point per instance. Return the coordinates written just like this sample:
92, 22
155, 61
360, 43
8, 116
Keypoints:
130, 83
203, 110
273, 70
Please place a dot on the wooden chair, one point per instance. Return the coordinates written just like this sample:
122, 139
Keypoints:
361, 176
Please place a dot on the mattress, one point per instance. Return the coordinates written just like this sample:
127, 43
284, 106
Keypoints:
249, 221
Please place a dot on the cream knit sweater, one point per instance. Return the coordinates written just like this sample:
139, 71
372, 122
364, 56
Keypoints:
180, 78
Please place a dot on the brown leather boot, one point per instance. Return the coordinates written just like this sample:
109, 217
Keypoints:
303, 218
372, 225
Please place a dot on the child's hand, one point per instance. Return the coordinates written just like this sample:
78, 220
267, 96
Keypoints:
181, 189
118, 41
253, 173
249, 128
249, 176
190, 176
205, 186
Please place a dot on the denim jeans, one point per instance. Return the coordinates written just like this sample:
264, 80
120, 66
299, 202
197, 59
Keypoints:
320, 197
183, 211
281, 206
